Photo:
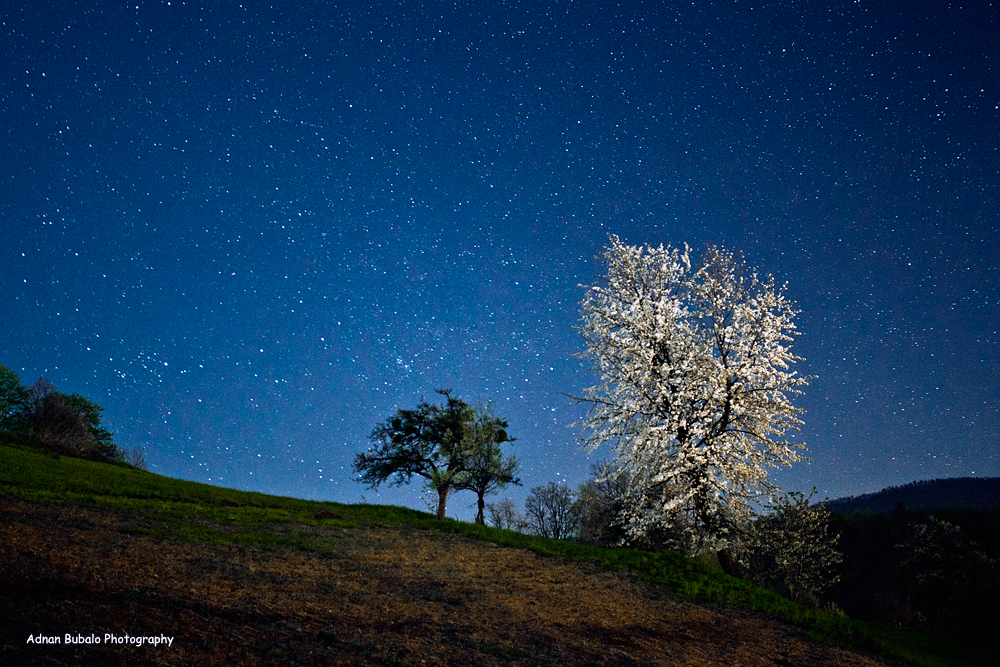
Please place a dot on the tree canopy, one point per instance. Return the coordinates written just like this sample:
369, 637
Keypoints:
695, 383
13, 397
487, 469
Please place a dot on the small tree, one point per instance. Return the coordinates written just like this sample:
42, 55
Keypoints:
694, 387
550, 511
794, 545
487, 470
135, 457
430, 441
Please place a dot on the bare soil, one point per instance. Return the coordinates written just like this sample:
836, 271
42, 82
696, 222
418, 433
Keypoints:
383, 596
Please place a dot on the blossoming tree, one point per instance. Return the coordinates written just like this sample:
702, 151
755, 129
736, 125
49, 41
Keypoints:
695, 382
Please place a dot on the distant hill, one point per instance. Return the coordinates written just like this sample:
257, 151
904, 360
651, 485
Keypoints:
928, 494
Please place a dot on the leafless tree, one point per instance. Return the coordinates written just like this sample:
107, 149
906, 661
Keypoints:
550, 511
504, 514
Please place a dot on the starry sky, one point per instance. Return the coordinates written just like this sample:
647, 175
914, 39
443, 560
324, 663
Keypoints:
252, 232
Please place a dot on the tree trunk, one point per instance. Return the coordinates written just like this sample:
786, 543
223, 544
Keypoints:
728, 563
480, 519
442, 499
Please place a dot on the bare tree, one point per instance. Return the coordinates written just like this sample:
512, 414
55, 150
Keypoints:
504, 514
694, 362
550, 511
136, 457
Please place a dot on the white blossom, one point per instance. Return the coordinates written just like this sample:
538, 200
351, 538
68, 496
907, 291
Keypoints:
695, 379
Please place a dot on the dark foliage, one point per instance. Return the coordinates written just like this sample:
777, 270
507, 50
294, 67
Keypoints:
428, 442
67, 424
13, 398
920, 568
453, 446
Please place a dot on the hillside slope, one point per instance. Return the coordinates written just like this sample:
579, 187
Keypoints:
381, 595
96, 550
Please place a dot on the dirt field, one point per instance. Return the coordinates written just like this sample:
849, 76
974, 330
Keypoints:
385, 596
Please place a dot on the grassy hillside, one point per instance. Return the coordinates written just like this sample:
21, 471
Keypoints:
237, 577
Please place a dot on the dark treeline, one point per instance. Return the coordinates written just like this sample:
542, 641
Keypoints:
969, 492
922, 568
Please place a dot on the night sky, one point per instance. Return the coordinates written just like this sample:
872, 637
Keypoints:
251, 233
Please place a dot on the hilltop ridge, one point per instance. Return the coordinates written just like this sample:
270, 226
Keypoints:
928, 494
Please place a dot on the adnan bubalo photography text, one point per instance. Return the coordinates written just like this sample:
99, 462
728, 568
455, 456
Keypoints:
125, 639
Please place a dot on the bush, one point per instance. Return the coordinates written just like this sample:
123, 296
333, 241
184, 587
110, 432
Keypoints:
602, 504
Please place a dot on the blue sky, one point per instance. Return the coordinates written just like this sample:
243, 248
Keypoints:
252, 233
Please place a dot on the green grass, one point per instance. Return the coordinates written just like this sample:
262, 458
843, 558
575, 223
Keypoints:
203, 514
